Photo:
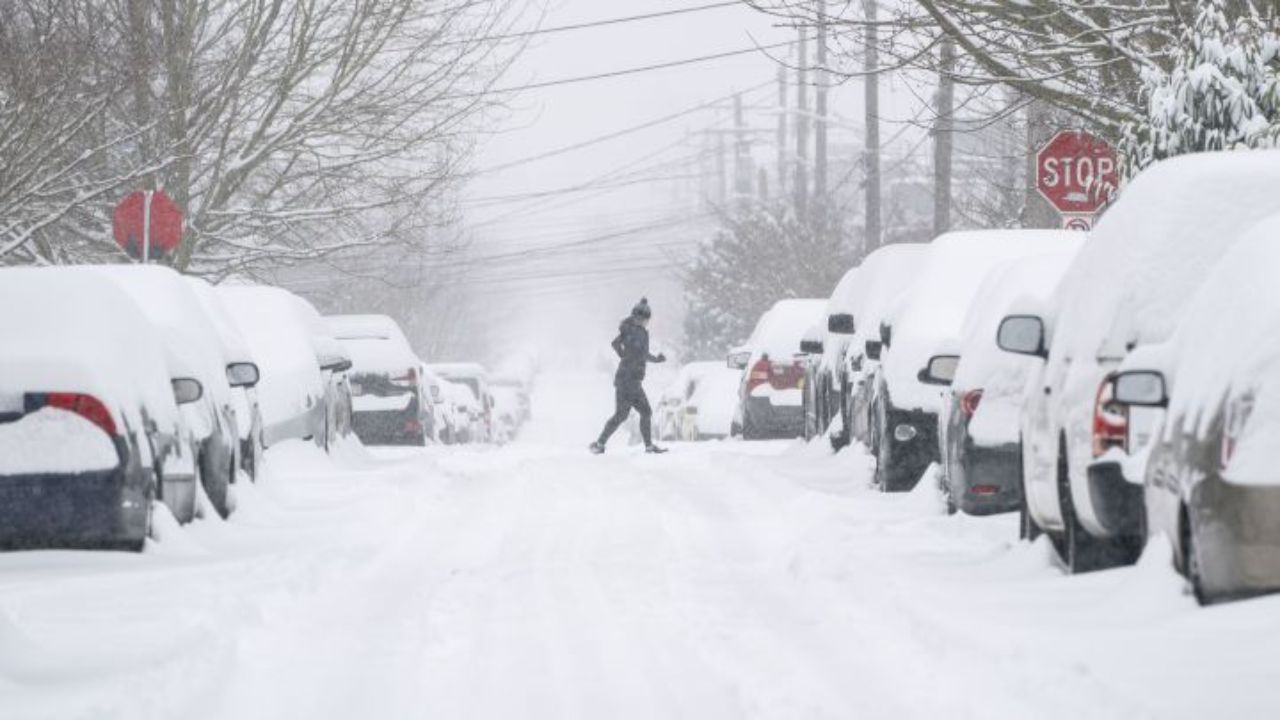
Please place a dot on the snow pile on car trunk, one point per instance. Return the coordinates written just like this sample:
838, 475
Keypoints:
931, 319
52, 440
780, 330
376, 344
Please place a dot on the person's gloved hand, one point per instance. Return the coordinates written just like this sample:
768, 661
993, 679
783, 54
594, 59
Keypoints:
661, 358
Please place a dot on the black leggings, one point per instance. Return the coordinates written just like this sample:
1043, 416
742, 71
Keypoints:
626, 399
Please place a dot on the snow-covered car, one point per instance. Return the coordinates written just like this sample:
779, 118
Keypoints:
508, 411
882, 279
710, 408
1211, 483
668, 416
335, 367
770, 403
476, 379
388, 398
292, 390
1127, 289
521, 390
921, 343
822, 374
90, 428
468, 416
195, 350
981, 456
241, 369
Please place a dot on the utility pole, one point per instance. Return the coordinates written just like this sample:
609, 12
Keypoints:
943, 138
871, 86
741, 154
1041, 125
802, 128
722, 170
782, 131
820, 138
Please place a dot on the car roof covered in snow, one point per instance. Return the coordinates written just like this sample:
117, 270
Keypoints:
268, 318
170, 302
235, 347
879, 281
375, 343
778, 332
930, 320
450, 371
983, 365
1152, 249
68, 331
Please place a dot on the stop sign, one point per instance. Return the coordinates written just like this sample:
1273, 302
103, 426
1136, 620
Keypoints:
1076, 172
129, 224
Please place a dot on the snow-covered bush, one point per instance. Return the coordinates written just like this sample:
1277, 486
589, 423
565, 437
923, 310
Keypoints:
1223, 92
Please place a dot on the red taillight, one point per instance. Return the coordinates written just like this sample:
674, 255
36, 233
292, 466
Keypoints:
759, 374
1232, 427
986, 489
412, 426
969, 402
1110, 421
86, 406
409, 378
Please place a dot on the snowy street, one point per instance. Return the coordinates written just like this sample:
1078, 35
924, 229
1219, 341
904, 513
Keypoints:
723, 580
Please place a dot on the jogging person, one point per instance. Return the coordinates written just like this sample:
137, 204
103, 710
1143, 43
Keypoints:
632, 346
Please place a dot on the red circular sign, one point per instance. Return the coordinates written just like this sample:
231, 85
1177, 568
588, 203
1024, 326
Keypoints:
128, 224
1076, 172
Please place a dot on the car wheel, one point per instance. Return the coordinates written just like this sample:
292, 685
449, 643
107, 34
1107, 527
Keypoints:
1191, 567
1027, 528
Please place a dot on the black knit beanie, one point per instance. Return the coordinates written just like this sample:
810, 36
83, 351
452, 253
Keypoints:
641, 311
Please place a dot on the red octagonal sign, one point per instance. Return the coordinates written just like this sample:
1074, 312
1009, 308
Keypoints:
162, 230
1076, 172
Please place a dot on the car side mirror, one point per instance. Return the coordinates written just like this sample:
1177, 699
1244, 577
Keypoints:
886, 334
811, 347
737, 360
1022, 335
242, 374
336, 365
940, 370
840, 324
873, 349
1140, 388
186, 390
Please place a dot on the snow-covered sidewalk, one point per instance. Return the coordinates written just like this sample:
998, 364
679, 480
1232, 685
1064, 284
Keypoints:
723, 580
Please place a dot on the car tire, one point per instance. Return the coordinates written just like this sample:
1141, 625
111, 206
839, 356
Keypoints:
1191, 568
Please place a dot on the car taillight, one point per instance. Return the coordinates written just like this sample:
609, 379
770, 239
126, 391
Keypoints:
1110, 421
412, 426
969, 402
86, 406
409, 378
759, 374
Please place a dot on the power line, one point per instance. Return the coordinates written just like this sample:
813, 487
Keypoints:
619, 73
596, 23
617, 133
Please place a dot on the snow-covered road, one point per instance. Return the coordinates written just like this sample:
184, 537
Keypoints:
722, 580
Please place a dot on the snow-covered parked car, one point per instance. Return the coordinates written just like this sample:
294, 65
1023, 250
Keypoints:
879, 283
822, 384
475, 378
517, 385
468, 417
978, 428
389, 400
771, 400
921, 342
1127, 289
196, 350
668, 416
89, 418
507, 412
293, 393
1212, 480
709, 410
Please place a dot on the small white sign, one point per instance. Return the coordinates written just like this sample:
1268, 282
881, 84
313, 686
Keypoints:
1077, 222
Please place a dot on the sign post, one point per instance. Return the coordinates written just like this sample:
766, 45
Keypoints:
1077, 173
147, 225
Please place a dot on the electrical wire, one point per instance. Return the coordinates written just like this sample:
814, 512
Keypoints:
596, 23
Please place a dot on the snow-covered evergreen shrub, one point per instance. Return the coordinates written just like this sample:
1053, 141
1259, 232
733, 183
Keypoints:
1223, 92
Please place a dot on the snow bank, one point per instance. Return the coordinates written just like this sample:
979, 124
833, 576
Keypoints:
51, 440
934, 313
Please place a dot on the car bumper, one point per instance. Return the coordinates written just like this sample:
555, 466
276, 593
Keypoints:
86, 511
784, 421
381, 427
1237, 537
990, 479
1117, 504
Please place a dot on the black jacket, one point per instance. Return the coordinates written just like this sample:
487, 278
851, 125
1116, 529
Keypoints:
632, 345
